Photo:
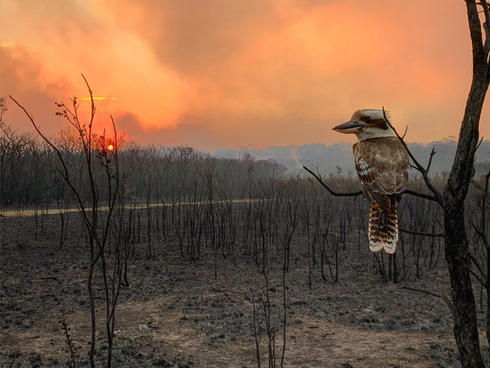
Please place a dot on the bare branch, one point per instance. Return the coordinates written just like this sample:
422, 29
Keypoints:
337, 194
405, 133
358, 193
445, 299
480, 51
69, 343
423, 291
64, 172
432, 153
486, 25
419, 167
482, 273
92, 109
482, 233
432, 235
479, 144
421, 195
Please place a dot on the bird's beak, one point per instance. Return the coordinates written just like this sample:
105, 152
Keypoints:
348, 127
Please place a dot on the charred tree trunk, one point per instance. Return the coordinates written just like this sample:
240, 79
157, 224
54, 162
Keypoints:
464, 308
456, 241
452, 200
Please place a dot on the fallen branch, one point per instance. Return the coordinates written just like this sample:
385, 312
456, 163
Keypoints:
432, 235
423, 291
444, 298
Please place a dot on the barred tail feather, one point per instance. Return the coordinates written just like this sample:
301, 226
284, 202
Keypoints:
383, 227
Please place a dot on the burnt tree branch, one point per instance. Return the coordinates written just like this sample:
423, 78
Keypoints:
359, 192
431, 235
332, 192
457, 251
445, 299
437, 195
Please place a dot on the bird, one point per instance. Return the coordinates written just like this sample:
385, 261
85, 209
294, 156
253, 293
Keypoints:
381, 162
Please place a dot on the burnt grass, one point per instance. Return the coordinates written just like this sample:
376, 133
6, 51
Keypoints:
176, 314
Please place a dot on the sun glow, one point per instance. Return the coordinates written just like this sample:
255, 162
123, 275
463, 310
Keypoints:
110, 148
6, 44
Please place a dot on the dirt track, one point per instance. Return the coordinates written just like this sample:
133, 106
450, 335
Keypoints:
56, 211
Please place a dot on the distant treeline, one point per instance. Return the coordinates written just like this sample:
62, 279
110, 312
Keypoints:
337, 157
29, 172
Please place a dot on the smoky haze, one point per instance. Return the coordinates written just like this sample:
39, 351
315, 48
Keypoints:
337, 159
213, 74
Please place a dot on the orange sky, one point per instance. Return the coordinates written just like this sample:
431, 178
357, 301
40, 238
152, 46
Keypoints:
221, 73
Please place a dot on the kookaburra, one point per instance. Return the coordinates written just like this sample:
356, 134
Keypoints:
382, 165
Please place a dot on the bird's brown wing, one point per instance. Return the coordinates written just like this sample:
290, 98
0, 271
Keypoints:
382, 166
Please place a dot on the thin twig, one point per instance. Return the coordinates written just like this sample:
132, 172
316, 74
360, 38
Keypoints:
256, 332
64, 173
405, 133
432, 153
482, 232
432, 235
337, 194
486, 24
421, 195
445, 299
358, 193
420, 168
423, 291
69, 343
480, 270
479, 144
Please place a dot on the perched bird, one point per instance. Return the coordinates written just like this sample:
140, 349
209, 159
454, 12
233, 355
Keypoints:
382, 165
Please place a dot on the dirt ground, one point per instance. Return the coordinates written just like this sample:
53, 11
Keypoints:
175, 314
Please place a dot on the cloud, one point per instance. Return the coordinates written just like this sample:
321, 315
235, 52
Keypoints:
24, 78
289, 73
82, 37
196, 37
232, 73
187, 133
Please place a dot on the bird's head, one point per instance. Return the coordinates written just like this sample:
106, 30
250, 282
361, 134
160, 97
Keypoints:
366, 124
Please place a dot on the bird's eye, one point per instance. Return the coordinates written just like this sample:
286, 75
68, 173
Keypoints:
367, 119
